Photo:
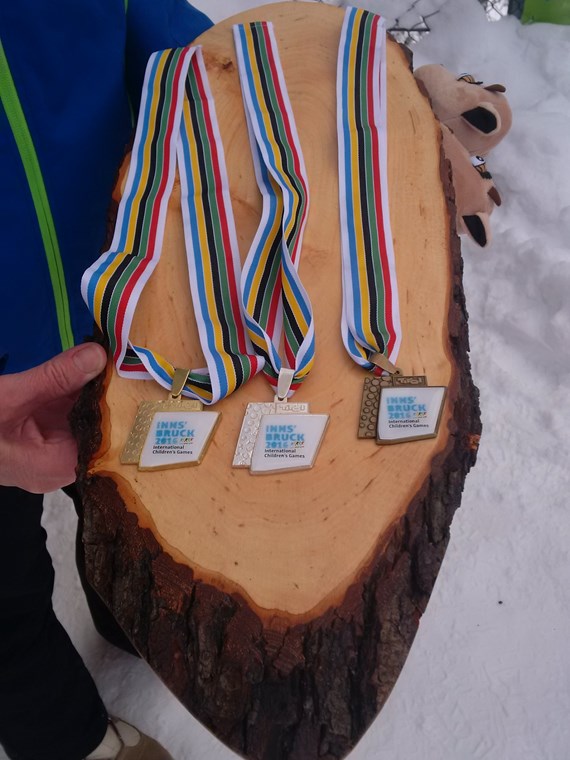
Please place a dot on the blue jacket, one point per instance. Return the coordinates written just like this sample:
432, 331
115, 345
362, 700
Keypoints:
66, 69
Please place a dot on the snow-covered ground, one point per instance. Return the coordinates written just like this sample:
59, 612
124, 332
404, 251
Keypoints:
488, 677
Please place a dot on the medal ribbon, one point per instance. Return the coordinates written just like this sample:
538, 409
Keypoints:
275, 302
371, 316
177, 125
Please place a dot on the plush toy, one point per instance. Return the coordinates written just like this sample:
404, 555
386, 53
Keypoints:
474, 119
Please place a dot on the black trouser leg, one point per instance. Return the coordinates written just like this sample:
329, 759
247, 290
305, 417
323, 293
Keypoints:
49, 706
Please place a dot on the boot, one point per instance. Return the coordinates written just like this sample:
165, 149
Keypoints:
125, 742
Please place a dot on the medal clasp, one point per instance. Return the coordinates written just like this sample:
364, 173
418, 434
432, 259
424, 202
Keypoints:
284, 382
178, 383
384, 363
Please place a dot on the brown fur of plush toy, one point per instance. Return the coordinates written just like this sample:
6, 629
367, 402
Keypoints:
475, 193
479, 116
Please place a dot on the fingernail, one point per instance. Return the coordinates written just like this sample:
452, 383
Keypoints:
90, 359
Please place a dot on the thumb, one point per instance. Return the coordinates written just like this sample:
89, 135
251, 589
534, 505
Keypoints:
63, 375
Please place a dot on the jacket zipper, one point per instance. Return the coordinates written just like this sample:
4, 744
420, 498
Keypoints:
19, 126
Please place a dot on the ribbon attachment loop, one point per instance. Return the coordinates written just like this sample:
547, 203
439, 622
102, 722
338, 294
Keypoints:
379, 360
284, 381
178, 382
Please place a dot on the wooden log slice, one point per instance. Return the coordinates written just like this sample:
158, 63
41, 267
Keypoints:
280, 608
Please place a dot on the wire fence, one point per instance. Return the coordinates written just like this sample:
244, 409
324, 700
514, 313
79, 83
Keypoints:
414, 19
407, 33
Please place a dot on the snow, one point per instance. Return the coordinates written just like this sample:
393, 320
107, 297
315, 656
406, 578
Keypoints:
488, 677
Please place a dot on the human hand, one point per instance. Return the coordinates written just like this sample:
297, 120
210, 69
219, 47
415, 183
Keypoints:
37, 450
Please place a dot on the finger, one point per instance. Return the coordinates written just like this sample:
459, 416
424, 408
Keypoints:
62, 376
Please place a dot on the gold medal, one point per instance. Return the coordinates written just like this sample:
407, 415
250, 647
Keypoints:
172, 432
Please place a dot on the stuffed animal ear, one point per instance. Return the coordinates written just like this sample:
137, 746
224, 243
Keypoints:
493, 193
477, 228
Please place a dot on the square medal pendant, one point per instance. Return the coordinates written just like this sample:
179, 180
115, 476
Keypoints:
254, 413
373, 385
287, 442
409, 413
131, 452
172, 432
397, 408
177, 439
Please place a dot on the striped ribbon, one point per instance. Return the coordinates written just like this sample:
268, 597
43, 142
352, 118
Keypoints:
371, 315
275, 303
177, 126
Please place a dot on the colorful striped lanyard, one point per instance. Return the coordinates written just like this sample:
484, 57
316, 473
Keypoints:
278, 435
371, 328
370, 316
177, 126
275, 302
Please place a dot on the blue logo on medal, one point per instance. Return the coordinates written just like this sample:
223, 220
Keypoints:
177, 438
284, 438
409, 415
177, 432
405, 408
